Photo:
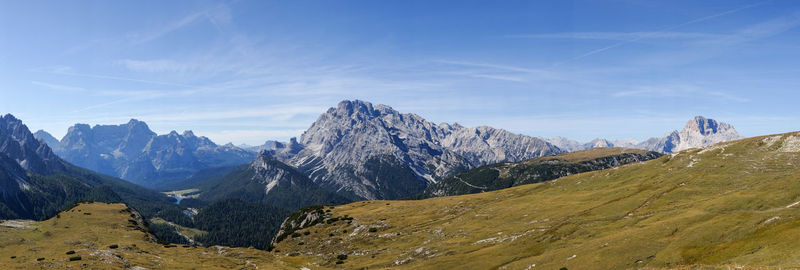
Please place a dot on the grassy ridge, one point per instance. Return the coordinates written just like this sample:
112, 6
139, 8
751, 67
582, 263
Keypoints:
733, 204
103, 237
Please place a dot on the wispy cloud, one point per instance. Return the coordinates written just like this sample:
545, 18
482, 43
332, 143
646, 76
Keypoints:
677, 91
498, 71
621, 36
658, 32
757, 31
161, 65
58, 87
216, 15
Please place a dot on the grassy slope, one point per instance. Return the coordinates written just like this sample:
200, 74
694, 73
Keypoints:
728, 205
91, 235
508, 174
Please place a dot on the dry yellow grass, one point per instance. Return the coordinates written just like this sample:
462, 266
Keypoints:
90, 237
728, 206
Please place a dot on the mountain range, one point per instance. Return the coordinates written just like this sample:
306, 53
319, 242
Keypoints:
356, 150
133, 152
35, 183
698, 132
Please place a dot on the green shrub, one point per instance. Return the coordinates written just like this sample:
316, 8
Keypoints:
341, 257
70, 252
339, 262
39, 259
113, 246
75, 258
373, 229
306, 233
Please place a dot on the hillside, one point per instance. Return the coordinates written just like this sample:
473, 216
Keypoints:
733, 204
509, 174
112, 236
267, 181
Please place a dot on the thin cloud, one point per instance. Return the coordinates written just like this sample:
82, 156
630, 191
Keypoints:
679, 91
758, 31
656, 33
499, 72
68, 71
161, 65
215, 15
620, 36
59, 87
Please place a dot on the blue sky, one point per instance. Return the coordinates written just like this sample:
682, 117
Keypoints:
247, 71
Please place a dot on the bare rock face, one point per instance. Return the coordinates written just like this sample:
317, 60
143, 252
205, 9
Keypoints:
701, 131
19, 144
698, 132
375, 152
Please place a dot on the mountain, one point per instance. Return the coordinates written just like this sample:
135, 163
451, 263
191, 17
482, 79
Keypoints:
268, 181
18, 143
51, 141
269, 145
375, 152
135, 153
509, 174
566, 144
598, 143
731, 205
36, 183
698, 132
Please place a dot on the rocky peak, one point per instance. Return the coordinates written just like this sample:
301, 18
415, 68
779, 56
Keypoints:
705, 126
47, 138
355, 139
598, 143
19, 144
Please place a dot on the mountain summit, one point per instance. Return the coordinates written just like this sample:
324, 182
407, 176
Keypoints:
698, 132
376, 152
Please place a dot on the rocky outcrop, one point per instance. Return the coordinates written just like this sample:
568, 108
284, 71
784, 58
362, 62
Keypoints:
300, 219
